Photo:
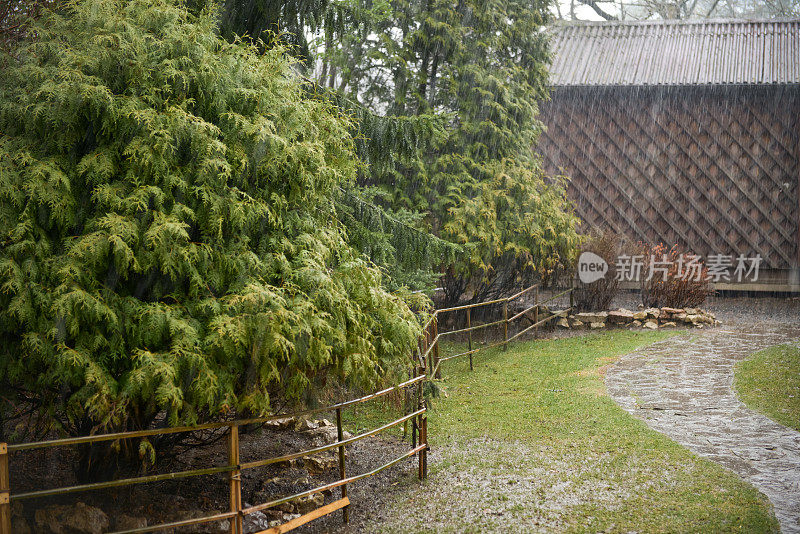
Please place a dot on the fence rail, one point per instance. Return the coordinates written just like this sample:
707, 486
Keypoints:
234, 466
426, 366
432, 335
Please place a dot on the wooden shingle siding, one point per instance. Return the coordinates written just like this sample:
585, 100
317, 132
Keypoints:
712, 168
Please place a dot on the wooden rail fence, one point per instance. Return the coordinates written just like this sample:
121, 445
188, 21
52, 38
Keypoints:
429, 342
235, 466
426, 359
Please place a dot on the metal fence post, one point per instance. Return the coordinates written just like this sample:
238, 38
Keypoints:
235, 480
5, 491
342, 471
505, 324
469, 333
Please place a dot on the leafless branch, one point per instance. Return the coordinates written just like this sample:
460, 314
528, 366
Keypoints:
597, 9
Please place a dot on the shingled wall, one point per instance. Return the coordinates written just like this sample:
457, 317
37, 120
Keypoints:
715, 169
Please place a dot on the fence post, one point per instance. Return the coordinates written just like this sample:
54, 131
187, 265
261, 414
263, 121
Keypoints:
425, 450
429, 361
423, 347
235, 480
505, 324
435, 351
342, 471
469, 333
536, 312
571, 293
421, 426
5, 491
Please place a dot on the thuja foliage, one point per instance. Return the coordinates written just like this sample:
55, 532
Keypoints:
480, 184
392, 237
477, 69
393, 240
171, 249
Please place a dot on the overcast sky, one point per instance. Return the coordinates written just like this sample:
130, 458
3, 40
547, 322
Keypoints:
585, 12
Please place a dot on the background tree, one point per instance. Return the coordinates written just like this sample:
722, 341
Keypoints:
484, 67
15, 16
674, 9
445, 99
170, 248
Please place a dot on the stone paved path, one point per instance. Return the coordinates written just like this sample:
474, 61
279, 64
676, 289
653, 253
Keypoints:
684, 388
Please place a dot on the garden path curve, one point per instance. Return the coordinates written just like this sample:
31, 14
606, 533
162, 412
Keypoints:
683, 387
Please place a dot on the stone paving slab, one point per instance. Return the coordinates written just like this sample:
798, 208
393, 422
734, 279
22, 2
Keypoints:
683, 387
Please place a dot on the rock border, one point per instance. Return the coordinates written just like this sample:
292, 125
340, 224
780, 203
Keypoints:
648, 318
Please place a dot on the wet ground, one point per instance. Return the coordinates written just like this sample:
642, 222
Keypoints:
683, 388
688, 384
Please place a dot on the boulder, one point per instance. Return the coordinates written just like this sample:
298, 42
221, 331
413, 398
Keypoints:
260, 521
289, 517
129, 522
77, 519
592, 317
287, 507
621, 316
301, 425
670, 311
597, 325
668, 324
309, 503
284, 423
543, 313
320, 463
653, 313
576, 323
636, 323
563, 323
640, 315
325, 435
692, 318
652, 325
302, 481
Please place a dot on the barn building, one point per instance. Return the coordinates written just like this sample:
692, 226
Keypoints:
683, 132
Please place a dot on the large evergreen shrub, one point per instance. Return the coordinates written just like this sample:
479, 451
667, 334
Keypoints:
170, 247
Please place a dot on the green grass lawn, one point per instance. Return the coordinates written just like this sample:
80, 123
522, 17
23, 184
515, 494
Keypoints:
529, 441
769, 382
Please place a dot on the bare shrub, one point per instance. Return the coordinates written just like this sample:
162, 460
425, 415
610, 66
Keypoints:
599, 294
676, 285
